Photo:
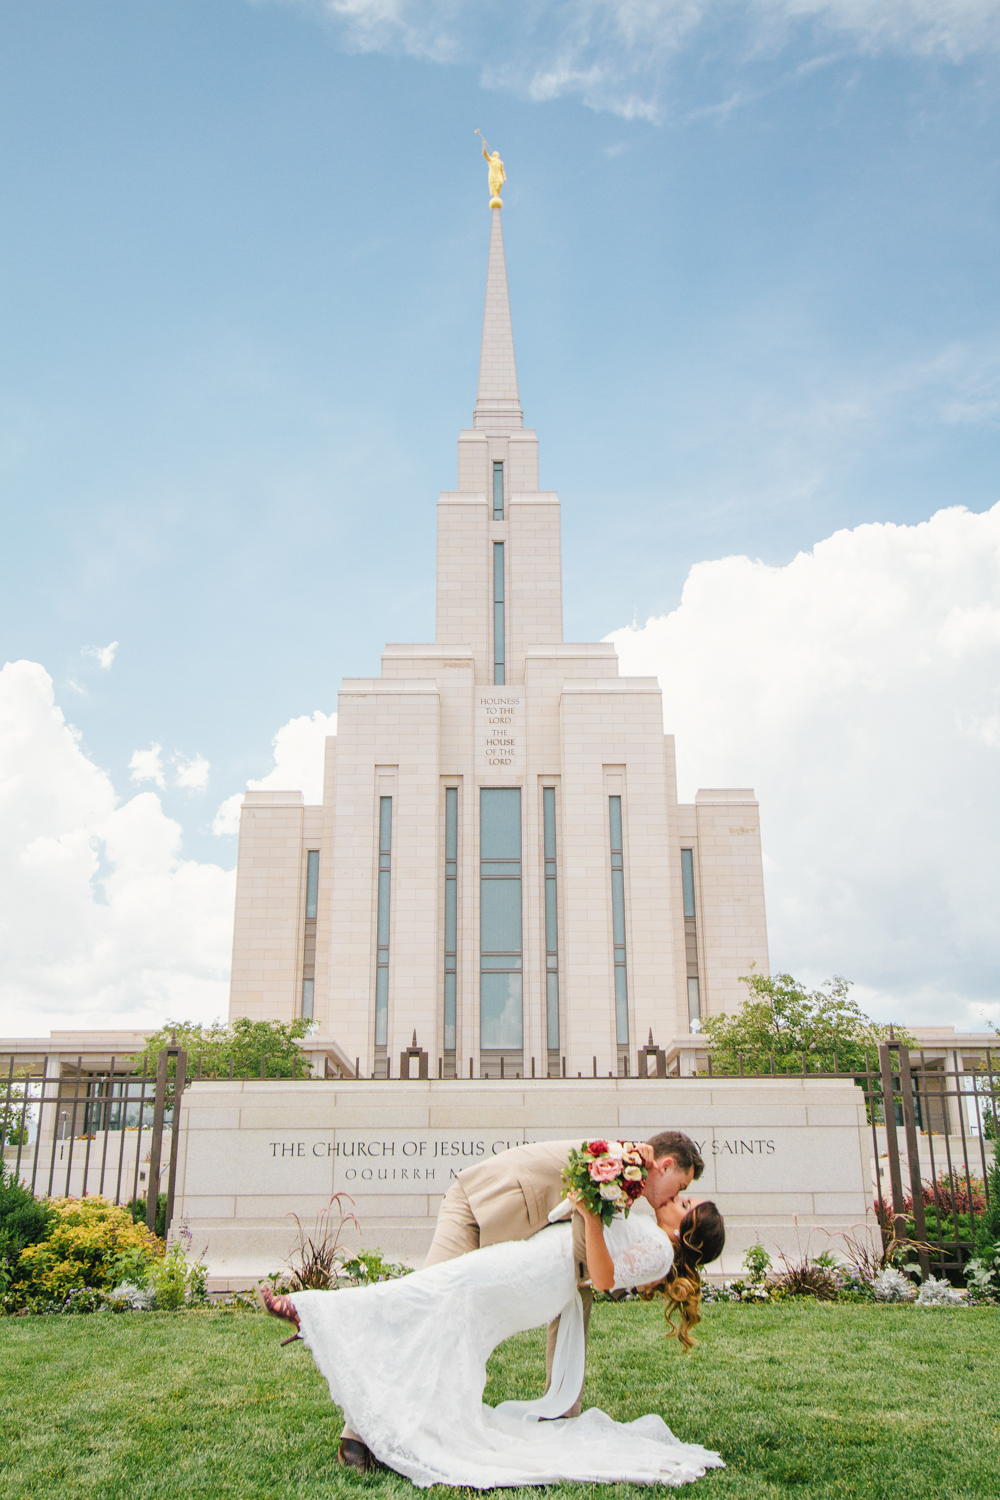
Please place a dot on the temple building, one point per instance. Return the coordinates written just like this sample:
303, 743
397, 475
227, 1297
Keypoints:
499, 877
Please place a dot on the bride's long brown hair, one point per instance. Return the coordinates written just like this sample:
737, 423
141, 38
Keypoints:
701, 1237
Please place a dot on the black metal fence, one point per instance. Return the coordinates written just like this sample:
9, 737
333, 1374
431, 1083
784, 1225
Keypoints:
934, 1127
91, 1129
940, 1134
934, 1123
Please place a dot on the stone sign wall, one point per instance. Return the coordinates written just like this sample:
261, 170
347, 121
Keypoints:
783, 1159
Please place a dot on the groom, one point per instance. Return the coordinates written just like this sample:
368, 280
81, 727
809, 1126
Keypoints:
510, 1196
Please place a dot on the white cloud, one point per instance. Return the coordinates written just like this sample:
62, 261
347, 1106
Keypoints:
192, 773
616, 54
858, 690
299, 748
226, 822
102, 922
103, 655
147, 765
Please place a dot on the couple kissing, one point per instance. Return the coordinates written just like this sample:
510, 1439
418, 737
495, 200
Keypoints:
406, 1360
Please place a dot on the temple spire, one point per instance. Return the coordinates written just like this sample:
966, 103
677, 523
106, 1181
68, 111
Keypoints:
498, 406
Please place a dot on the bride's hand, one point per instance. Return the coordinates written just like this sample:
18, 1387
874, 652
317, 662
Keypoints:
579, 1205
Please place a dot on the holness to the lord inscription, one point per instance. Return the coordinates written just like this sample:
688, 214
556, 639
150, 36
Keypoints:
398, 1162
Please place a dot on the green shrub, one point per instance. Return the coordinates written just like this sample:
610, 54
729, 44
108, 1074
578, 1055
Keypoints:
756, 1263
169, 1280
137, 1208
988, 1223
84, 1247
23, 1222
806, 1279
371, 1265
131, 1266
175, 1283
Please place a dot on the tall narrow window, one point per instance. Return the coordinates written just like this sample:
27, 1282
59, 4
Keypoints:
691, 938
450, 924
618, 926
498, 492
551, 932
382, 930
309, 936
312, 884
500, 1022
498, 620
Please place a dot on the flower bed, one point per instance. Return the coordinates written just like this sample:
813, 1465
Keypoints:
79, 1255
892, 1277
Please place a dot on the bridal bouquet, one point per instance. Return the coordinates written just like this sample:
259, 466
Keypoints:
608, 1176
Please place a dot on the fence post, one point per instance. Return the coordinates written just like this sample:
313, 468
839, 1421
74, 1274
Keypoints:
913, 1155
156, 1144
180, 1078
891, 1143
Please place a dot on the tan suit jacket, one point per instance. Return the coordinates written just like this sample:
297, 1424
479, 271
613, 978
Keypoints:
511, 1195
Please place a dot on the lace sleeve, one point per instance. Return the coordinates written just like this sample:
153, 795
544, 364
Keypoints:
646, 1259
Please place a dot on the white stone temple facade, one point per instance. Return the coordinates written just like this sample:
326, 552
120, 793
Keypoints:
500, 864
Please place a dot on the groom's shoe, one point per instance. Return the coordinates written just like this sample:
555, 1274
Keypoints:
354, 1454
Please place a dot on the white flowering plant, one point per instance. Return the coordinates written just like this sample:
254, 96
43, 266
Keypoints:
892, 1286
939, 1293
129, 1297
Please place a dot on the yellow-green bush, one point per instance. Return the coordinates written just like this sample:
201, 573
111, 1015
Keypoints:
87, 1239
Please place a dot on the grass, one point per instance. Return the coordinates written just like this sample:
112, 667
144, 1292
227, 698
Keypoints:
803, 1400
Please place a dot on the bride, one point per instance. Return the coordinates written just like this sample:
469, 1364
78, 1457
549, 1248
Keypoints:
406, 1359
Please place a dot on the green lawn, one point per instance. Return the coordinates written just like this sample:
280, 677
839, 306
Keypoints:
801, 1400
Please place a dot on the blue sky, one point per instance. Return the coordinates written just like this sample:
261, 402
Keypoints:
752, 252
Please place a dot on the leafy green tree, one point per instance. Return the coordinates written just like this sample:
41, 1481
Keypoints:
798, 1027
245, 1043
15, 1107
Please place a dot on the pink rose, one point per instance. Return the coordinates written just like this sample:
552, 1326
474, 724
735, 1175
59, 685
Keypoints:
603, 1171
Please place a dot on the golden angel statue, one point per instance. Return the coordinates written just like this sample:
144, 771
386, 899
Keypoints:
497, 174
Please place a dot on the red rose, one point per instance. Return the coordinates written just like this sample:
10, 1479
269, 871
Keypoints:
597, 1148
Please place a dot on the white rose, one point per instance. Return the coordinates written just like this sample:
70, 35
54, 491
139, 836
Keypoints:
615, 1148
610, 1190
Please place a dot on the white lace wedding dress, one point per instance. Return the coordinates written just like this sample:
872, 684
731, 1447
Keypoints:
406, 1361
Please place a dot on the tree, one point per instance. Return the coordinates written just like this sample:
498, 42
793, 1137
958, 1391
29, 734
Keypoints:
244, 1043
798, 1027
15, 1108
